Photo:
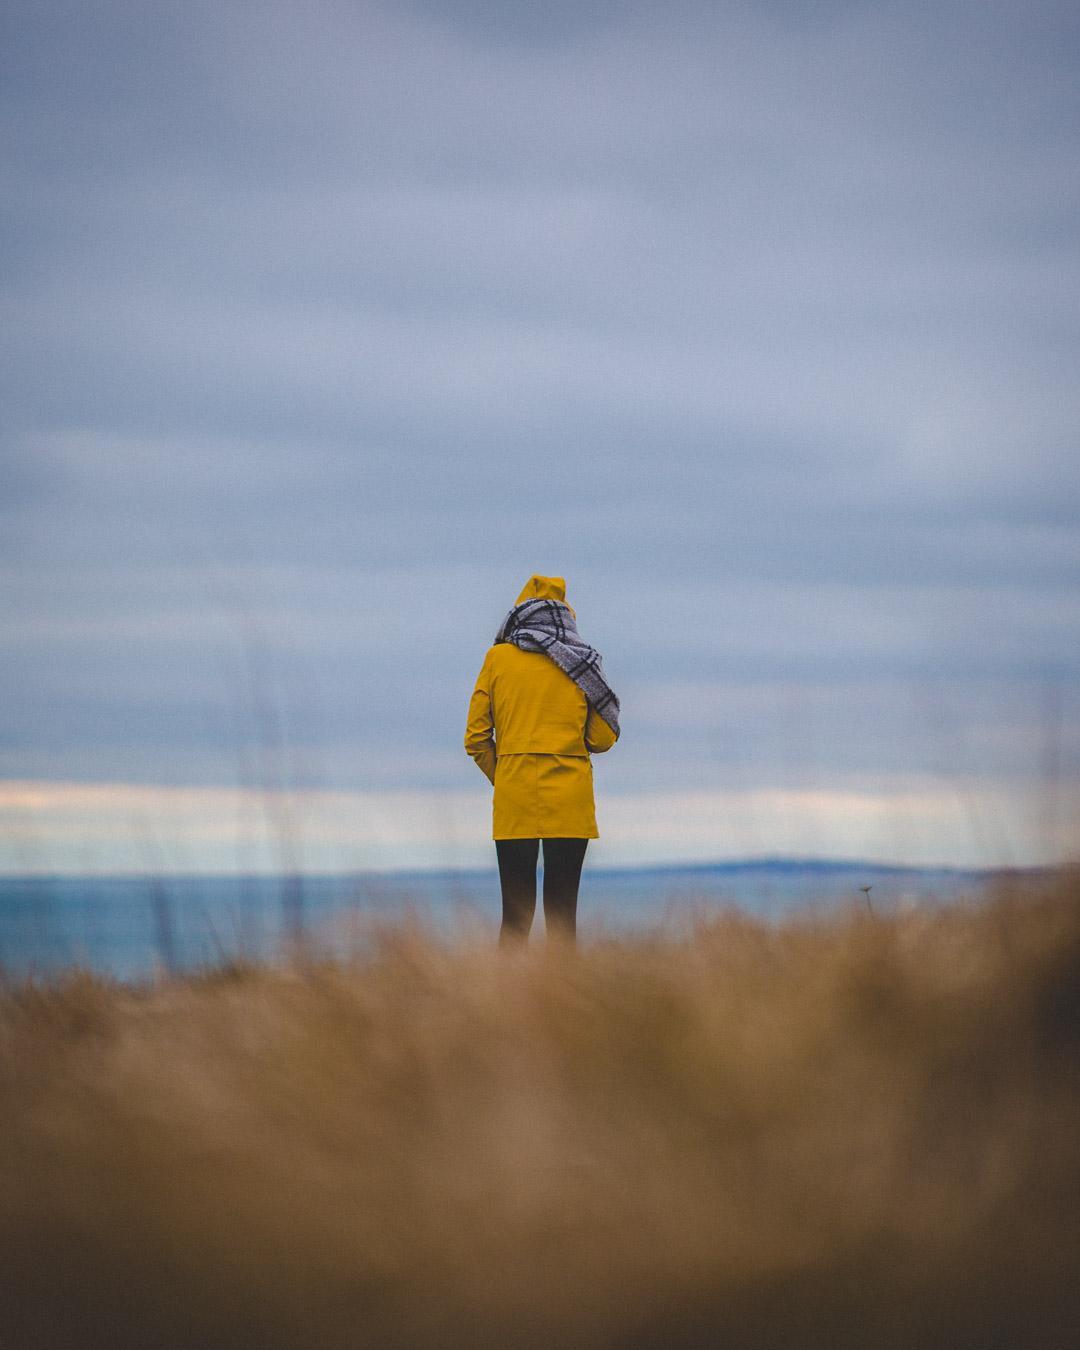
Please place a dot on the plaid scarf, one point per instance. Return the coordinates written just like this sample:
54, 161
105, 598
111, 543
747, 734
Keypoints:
548, 626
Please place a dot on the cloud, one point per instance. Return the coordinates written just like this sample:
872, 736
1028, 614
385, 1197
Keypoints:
326, 329
116, 828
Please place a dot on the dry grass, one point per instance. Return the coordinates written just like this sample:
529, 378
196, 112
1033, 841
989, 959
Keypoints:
854, 1132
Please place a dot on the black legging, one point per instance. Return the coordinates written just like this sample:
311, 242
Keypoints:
517, 874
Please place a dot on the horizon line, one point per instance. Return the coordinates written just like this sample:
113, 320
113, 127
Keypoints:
835, 861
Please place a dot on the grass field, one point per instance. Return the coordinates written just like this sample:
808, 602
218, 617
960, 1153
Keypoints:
857, 1130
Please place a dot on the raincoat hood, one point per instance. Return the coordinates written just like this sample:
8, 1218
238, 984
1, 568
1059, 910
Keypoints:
543, 588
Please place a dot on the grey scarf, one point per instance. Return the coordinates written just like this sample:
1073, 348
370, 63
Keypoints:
548, 626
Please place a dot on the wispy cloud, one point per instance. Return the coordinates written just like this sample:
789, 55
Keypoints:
55, 827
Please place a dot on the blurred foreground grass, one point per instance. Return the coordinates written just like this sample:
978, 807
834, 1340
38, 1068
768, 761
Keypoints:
854, 1131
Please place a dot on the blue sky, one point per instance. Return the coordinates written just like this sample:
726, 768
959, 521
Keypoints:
326, 325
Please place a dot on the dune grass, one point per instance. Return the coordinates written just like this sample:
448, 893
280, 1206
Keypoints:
857, 1130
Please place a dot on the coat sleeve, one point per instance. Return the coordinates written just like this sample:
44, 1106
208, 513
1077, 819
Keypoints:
479, 730
598, 735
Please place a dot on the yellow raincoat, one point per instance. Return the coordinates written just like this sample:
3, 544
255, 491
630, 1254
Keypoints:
531, 731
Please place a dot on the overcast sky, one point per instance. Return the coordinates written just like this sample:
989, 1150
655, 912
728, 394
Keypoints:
326, 324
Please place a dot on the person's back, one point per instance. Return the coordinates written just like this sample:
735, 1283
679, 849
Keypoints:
537, 708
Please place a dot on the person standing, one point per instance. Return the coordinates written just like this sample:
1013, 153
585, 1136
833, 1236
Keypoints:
541, 706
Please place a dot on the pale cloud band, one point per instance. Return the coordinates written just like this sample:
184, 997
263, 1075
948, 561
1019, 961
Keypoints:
117, 828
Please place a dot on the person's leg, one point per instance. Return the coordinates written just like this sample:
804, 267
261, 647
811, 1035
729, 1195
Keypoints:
562, 874
517, 876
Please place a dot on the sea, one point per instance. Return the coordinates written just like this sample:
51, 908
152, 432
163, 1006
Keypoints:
137, 928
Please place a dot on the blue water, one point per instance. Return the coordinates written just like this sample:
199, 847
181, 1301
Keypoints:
129, 927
